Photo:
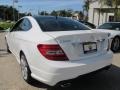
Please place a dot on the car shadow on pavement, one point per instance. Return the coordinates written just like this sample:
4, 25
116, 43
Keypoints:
3, 53
105, 80
2, 49
117, 52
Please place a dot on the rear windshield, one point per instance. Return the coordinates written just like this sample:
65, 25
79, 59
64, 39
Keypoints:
59, 24
110, 26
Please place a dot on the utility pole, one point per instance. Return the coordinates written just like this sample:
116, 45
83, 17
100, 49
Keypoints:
19, 11
14, 1
13, 10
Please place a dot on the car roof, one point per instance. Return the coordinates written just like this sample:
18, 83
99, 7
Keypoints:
37, 17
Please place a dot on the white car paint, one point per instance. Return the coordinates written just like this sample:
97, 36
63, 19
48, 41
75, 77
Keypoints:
52, 72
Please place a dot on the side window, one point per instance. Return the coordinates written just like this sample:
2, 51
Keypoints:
16, 27
25, 25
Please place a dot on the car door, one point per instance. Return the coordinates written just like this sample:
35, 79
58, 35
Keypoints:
19, 36
11, 38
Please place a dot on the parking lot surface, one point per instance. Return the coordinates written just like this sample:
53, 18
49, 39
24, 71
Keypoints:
11, 79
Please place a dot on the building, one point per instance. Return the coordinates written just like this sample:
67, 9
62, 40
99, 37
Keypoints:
99, 14
75, 16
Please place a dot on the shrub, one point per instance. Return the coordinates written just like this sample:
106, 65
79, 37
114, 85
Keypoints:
6, 25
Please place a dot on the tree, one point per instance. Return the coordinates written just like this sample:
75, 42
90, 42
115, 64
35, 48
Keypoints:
43, 13
64, 13
54, 13
86, 7
6, 13
81, 15
112, 3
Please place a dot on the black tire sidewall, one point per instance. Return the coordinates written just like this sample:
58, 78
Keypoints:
113, 43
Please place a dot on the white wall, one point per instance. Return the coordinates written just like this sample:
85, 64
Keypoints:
93, 18
93, 13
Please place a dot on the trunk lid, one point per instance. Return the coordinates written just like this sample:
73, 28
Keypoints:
75, 43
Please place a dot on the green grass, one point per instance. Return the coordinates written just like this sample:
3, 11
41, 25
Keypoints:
6, 25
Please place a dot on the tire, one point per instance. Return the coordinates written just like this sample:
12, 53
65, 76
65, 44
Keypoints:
25, 70
115, 46
8, 50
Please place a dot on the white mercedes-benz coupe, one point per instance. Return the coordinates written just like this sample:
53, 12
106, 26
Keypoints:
53, 49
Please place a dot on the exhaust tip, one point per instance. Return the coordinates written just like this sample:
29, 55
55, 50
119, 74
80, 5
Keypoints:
65, 85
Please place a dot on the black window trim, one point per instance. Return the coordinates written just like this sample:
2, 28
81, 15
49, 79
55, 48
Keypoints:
13, 30
19, 22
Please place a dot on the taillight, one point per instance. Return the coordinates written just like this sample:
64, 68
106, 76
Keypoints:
52, 52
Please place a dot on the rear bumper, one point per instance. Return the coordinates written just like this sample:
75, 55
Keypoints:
60, 71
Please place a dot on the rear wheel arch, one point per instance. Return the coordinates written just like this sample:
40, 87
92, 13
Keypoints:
112, 44
117, 36
28, 79
22, 53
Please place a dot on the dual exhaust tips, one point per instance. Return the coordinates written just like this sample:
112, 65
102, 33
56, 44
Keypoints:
65, 85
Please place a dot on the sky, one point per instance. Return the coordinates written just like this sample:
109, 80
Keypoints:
44, 5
